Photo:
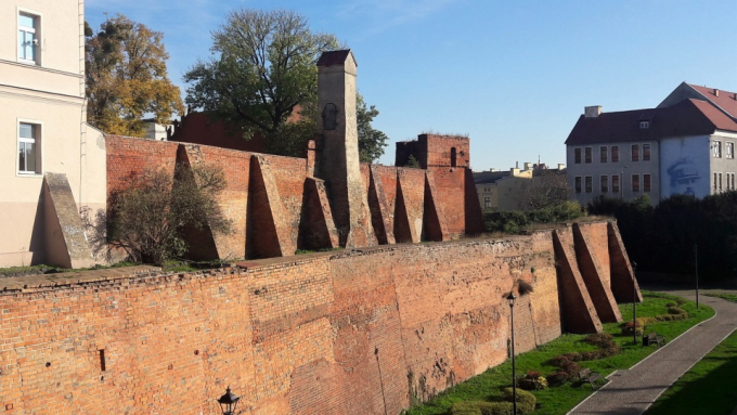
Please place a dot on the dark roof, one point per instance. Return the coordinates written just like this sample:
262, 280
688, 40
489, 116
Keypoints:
726, 100
486, 177
689, 117
335, 57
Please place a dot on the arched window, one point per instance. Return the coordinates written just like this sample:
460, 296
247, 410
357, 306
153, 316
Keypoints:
453, 157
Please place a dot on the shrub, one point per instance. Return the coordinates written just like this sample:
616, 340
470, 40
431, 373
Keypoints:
532, 374
676, 310
599, 339
573, 357
531, 384
150, 217
525, 400
558, 361
558, 378
571, 368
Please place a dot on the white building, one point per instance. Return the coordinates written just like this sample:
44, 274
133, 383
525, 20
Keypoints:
684, 146
43, 128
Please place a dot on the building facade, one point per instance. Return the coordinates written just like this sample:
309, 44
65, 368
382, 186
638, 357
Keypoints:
684, 146
507, 190
42, 124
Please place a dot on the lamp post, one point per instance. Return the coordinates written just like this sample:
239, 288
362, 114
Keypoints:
696, 264
228, 402
510, 299
634, 303
621, 182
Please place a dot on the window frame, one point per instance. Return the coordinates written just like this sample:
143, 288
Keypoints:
37, 141
577, 184
604, 183
577, 155
716, 150
635, 152
588, 184
37, 30
646, 151
729, 149
588, 155
647, 183
645, 124
604, 154
635, 180
615, 178
487, 202
613, 152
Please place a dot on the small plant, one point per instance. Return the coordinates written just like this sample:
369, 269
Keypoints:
558, 378
525, 400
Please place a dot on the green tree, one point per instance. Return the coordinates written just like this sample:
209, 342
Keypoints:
126, 77
371, 142
150, 216
263, 72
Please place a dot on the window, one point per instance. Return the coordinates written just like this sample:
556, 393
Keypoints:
646, 152
603, 150
635, 182
615, 154
646, 182
615, 183
589, 184
729, 150
720, 182
578, 184
715, 183
587, 153
644, 124
29, 161
487, 202
28, 38
577, 155
716, 149
604, 183
635, 152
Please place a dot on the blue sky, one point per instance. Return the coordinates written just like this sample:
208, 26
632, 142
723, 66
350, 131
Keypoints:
514, 75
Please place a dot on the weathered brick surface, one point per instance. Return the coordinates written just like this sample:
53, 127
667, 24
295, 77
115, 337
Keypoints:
127, 157
622, 275
410, 208
592, 272
382, 194
344, 332
577, 308
449, 183
66, 243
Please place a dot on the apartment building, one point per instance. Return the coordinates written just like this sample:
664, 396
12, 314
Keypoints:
683, 146
43, 130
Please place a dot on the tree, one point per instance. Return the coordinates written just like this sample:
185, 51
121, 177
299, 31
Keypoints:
150, 216
126, 77
263, 74
547, 188
371, 142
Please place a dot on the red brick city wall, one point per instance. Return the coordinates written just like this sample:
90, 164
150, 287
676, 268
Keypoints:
439, 150
339, 333
127, 157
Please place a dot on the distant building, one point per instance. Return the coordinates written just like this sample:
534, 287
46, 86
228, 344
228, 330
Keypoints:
686, 145
45, 138
505, 190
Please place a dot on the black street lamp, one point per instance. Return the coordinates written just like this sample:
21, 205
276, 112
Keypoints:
634, 303
228, 402
696, 269
510, 299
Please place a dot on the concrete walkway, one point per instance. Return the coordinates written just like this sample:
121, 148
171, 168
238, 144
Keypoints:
632, 391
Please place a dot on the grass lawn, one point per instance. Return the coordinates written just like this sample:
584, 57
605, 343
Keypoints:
560, 399
710, 380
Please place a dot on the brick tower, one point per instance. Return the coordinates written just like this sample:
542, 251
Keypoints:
337, 160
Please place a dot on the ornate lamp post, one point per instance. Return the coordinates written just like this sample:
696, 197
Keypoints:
228, 402
634, 303
510, 299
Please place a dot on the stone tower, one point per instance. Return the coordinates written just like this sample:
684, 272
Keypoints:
337, 161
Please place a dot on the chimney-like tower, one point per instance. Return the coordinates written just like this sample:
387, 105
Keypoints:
337, 161
592, 111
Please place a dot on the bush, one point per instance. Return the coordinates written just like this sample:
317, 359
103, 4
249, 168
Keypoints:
482, 408
526, 401
676, 310
150, 217
599, 339
558, 378
571, 368
531, 384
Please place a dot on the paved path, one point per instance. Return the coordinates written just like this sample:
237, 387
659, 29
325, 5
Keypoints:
632, 391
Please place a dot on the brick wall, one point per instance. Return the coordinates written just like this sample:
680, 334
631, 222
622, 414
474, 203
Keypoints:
345, 332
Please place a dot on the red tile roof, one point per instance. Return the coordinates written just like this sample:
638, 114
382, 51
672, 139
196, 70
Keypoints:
726, 100
687, 118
